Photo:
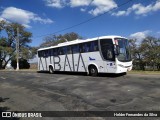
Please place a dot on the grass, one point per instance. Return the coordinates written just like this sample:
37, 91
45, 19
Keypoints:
143, 72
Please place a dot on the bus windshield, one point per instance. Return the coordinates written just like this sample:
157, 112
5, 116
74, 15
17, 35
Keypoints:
125, 54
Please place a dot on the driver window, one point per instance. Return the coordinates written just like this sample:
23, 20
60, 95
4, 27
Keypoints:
109, 54
109, 51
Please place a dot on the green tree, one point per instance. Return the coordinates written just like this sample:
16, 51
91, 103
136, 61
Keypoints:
23, 64
150, 48
137, 56
8, 32
52, 40
146, 53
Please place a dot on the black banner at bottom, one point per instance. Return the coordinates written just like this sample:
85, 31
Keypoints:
30, 114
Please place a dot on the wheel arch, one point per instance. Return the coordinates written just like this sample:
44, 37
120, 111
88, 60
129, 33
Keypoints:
50, 65
92, 64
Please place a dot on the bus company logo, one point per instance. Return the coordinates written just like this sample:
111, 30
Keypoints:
6, 114
91, 58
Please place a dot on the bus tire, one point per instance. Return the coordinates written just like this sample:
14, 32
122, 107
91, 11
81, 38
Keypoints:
93, 71
51, 71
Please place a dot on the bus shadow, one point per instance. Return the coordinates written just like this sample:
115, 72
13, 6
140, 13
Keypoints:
64, 73
72, 73
112, 75
6, 109
85, 74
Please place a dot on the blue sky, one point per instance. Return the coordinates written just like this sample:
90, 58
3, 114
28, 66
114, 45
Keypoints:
137, 19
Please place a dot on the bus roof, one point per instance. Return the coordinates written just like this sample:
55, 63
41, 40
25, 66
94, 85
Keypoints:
81, 41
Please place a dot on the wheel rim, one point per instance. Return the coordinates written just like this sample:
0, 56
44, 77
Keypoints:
51, 70
93, 71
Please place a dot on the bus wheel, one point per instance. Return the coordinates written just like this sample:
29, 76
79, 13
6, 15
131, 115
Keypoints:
93, 71
51, 71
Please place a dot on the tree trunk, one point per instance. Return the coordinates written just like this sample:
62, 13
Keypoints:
158, 66
0, 64
4, 66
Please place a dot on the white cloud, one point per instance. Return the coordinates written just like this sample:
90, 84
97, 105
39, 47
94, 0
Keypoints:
2, 19
156, 7
21, 16
83, 9
119, 13
77, 3
158, 32
140, 35
98, 6
122, 13
56, 3
102, 6
139, 9
63, 3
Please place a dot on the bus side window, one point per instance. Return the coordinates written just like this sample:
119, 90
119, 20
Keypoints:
39, 53
60, 51
69, 50
81, 48
55, 51
75, 49
84, 47
64, 50
51, 52
43, 53
87, 47
92, 46
95, 45
46, 53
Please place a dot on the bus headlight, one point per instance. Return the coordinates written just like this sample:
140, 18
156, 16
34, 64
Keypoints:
124, 66
121, 65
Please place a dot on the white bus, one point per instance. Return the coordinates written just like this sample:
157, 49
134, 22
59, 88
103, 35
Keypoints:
106, 54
